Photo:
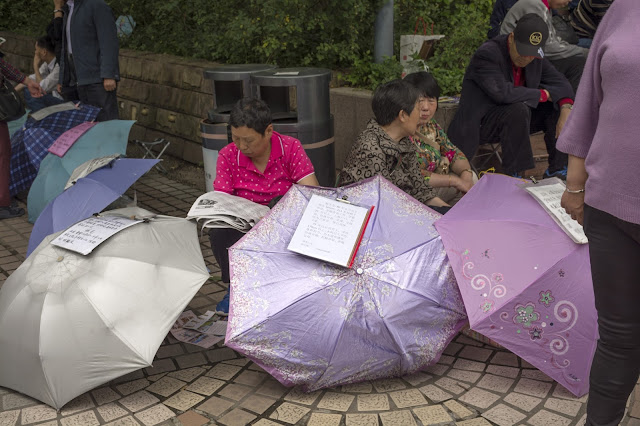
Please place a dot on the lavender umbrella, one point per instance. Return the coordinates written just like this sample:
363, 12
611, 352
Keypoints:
89, 195
524, 282
314, 324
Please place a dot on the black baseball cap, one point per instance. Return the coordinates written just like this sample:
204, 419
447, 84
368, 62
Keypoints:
531, 35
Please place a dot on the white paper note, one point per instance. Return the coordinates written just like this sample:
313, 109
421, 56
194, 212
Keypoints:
85, 236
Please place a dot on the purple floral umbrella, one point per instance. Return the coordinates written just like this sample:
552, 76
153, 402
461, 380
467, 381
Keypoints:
317, 325
525, 283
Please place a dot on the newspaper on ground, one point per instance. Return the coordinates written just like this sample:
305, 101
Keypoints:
548, 193
221, 210
204, 330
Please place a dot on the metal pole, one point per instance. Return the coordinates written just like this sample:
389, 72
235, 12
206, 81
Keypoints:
383, 45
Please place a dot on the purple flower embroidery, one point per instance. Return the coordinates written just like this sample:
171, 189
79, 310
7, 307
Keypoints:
535, 333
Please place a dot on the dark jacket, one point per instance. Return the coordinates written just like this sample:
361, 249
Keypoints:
488, 81
500, 9
94, 43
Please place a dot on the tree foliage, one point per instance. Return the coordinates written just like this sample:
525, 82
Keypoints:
337, 34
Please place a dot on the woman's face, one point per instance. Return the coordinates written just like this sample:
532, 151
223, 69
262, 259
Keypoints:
428, 107
412, 121
251, 143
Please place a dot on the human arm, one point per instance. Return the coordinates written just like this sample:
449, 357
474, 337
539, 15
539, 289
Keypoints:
573, 202
37, 68
299, 165
13, 74
224, 172
310, 180
487, 70
107, 44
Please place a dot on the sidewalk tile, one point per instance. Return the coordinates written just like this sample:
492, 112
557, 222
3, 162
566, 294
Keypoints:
258, 404
138, 401
503, 415
193, 360
223, 371
500, 370
111, 411
464, 375
166, 386
450, 385
362, 420
408, 398
237, 417
547, 418
131, 387
80, 403
289, 413
187, 375
533, 388
373, 402
521, 401
323, 419
563, 406
250, 378
478, 421
191, 418
432, 415
562, 392
536, 375
105, 395
154, 415
215, 406
453, 348
125, 421
298, 396
336, 401
15, 400
205, 385
435, 394
459, 411
465, 364
183, 400
417, 379
363, 387
160, 366
495, 383
235, 392
437, 369
9, 418
88, 418
36, 414
479, 398
505, 358
272, 388
388, 385
475, 353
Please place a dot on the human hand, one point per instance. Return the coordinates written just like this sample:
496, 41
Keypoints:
562, 119
548, 95
59, 88
109, 84
573, 204
57, 4
34, 88
461, 184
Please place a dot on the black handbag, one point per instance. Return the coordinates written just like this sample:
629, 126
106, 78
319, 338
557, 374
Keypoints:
11, 106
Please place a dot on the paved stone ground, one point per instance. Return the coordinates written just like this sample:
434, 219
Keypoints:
472, 385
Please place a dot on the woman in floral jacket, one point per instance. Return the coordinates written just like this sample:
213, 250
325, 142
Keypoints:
442, 164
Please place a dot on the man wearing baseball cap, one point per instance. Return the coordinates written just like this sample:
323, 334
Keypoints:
510, 91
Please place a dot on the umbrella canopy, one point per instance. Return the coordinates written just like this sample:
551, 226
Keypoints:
105, 138
89, 195
69, 323
29, 145
525, 283
318, 325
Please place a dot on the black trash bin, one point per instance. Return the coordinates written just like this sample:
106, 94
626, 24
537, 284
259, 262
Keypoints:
310, 121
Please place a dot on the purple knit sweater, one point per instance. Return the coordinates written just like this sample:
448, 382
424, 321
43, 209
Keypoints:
604, 126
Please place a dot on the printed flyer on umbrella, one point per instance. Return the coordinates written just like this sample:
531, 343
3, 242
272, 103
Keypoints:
85, 236
330, 230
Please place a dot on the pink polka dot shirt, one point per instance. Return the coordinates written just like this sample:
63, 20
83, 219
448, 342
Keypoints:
237, 175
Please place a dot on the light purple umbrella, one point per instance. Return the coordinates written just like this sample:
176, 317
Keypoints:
525, 283
314, 324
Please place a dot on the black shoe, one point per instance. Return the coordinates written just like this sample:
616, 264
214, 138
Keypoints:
10, 211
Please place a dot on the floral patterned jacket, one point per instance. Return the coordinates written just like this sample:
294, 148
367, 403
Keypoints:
430, 158
375, 153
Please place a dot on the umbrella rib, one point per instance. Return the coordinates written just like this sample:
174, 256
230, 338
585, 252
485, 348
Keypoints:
518, 221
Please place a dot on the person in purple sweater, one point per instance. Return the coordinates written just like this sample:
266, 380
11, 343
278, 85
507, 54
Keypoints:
601, 138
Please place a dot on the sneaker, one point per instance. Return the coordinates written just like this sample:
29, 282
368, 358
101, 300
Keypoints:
11, 211
562, 174
222, 308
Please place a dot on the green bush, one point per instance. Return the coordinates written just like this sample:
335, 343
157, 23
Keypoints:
336, 34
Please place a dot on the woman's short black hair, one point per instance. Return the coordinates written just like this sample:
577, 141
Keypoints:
391, 98
46, 43
425, 83
251, 112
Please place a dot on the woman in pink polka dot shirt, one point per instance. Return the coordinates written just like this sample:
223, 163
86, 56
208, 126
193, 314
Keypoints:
259, 165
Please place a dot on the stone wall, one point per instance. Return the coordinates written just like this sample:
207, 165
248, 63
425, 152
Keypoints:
168, 96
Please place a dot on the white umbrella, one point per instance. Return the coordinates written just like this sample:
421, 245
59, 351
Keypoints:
69, 323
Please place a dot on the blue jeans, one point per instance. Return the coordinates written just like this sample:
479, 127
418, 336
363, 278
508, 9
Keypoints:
36, 104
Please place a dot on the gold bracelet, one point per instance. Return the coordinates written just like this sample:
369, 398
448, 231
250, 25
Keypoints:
574, 191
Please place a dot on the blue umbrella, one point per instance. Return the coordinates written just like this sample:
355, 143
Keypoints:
89, 195
105, 138
29, 145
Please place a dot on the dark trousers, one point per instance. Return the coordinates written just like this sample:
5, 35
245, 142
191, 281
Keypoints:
92, 94
571, 68
221, 239
36, 104
512, 124
5, 163
614, 250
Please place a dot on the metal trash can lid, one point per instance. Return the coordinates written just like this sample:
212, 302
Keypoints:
289, 76
235, 72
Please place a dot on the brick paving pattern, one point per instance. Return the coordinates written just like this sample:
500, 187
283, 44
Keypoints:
472, 385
